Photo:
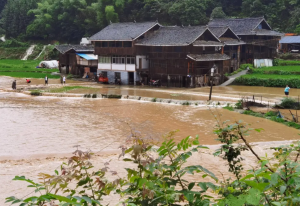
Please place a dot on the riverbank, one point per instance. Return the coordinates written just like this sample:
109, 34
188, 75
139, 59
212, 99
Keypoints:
276, 76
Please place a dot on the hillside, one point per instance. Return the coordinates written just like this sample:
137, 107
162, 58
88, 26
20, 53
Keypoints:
68, 21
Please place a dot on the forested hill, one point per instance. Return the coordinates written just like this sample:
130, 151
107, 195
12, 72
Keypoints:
69, 20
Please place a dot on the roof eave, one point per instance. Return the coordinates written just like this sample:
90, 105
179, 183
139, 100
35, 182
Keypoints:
147, 31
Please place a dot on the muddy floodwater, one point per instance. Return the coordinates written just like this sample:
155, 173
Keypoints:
37, 133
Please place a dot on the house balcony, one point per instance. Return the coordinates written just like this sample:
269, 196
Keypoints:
89, 63
106, 51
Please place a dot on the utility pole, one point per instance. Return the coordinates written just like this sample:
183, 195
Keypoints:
211, 81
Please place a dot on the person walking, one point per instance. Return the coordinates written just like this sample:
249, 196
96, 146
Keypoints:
46, 80
64, 79
28, 81
14, 85
287, 91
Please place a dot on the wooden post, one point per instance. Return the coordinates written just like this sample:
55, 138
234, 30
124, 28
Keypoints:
222, 50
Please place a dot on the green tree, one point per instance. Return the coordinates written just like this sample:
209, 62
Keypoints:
217, 13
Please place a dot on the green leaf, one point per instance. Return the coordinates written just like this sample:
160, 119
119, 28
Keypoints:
282, 189
274, 179
191, 185
276, 203
87, 199
259, 186
64, 199
203, 185
254, 197
56, 172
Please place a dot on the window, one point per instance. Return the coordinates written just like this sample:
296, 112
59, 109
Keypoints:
104, 74
98, 44
118, 60
203, 48
178, 49
130, 60
127, 44
104, 44
118, 44
103, 59
112, 44
158, 49
259, 26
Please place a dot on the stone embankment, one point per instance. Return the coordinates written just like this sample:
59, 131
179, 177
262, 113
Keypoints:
125, 97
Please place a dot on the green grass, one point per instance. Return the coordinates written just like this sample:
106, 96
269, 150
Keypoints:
279, 68
24, 69
271, 76
66, 89
288, 62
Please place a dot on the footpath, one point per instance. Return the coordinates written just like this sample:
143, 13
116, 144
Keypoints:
233, 77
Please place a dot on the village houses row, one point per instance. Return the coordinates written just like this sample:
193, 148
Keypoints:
178, 56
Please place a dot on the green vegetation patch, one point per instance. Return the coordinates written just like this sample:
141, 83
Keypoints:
36, 93
242, 67
24, 69
282, 62
66, 89
270, 80
273, 116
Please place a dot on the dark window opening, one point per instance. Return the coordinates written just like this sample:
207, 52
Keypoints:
127, 44
178, 49
104, 44
158, 49
104, 74
118, 44
112, 44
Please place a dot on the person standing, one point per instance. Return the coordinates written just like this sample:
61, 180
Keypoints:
14, 85
64, 79
287, 91
46, 80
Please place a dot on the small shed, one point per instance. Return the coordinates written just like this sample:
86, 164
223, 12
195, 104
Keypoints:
290, 44
74, 58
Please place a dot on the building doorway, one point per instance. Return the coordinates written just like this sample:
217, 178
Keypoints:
131, 78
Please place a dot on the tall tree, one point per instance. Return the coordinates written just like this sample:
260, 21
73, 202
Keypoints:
217, 13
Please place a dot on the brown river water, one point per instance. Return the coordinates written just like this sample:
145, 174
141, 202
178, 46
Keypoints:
37, 133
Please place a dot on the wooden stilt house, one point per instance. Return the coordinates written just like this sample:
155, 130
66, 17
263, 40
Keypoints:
261, 41
232, 47
183, 56
77, 59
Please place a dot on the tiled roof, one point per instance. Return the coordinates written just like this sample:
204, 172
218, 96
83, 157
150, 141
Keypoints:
219, 30
264, 32
290, 40
173, 36
239, 26
126, 31
77, 48
207, 43
230, 41
208, 57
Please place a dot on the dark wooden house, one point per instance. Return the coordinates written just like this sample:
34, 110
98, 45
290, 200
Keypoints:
232, 47
116, 50
182, 56
261, 41
76, 59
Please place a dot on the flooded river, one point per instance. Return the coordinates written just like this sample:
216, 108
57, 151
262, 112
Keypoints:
36, 133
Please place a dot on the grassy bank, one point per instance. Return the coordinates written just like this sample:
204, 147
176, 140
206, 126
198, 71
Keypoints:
271, 115
66, 89
277, 76
24, 69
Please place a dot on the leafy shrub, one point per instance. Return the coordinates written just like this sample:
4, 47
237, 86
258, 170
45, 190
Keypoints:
270, 114
275, 62
114, 96
94, 96
154, 100
10, 43
289, 103
239, 104
228, 107
36, 93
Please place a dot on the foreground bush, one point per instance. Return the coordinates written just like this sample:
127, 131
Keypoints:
289, 103
159, 176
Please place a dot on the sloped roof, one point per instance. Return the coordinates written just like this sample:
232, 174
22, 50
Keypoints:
207, 43
77, 48
126, 31
208, 57
219, 30
173, 36
265, 32
290, 40
231, 42
242, 26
